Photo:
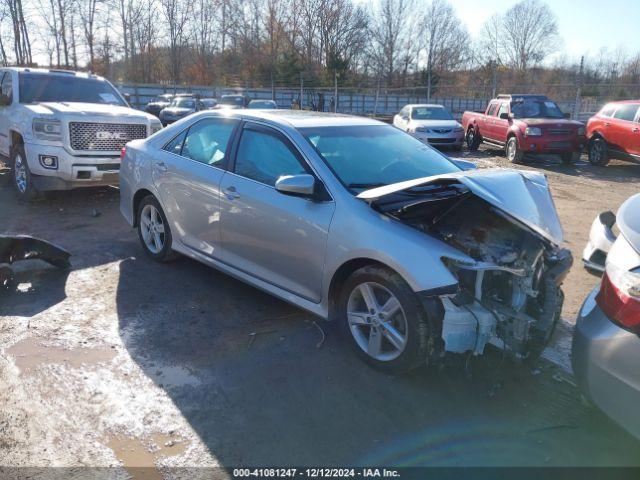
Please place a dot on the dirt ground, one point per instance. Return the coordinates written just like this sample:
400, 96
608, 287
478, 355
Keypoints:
121, 362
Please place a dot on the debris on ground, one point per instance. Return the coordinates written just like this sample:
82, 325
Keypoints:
14, 248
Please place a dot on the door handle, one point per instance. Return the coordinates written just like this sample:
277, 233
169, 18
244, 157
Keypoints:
161, 166
607, 124
231, 193
635, 130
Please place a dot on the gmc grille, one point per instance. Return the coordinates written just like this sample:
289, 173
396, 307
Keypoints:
91, 136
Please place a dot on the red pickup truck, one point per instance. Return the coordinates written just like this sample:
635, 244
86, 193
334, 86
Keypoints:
524, 124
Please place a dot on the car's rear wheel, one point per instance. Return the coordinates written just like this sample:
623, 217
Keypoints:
154, 231
513, 152
384, 320
22, 178
598, 152
472, 139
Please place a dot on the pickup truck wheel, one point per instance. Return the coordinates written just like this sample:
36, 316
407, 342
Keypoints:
513, 152
22, 179
384, 320
598, 152
154, 231
472, 140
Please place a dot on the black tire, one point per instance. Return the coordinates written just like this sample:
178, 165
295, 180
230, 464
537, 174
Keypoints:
164, 254
472, 139
567, 158
513, 152
598, 152
21, 176
415, 351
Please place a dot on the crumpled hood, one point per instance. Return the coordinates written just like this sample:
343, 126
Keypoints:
435, 123
524, 195
86, 109
628, 220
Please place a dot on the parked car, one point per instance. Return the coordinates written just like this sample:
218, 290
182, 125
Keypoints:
430, 123
158, 103
601, 239
606, 342
209, 103
62, 129
263, 104
614, 132
232, 101
180, 107
525, 124
355, 221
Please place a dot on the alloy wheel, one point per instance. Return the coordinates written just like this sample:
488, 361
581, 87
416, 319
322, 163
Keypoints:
377, 321
152, 228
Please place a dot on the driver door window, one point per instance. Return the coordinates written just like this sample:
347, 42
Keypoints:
7, 87
264, 157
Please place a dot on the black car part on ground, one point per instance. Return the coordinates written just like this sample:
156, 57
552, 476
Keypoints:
14, 248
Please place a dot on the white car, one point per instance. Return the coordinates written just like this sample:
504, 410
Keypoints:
62, 130
432, 124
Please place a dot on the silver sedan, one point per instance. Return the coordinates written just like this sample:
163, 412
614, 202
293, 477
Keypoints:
606, 343
357, 222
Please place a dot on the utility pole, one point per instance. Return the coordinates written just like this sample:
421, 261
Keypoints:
375, 105
494, 79
335, 92
576, 105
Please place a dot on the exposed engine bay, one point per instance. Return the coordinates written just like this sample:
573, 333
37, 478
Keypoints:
509, 295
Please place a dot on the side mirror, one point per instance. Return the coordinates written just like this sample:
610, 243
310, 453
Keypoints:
303, 185
567, 115
4, 100
127, 98
504, 116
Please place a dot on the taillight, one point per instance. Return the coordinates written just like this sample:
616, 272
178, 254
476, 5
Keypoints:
123, 152
619, 296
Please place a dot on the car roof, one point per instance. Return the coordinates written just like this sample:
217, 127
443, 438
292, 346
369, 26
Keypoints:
54, 71
297, 118
427, 105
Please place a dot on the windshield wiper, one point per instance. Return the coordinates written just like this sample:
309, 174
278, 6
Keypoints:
366, 185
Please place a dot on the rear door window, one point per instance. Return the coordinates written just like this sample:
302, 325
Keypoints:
493, 106
207, 141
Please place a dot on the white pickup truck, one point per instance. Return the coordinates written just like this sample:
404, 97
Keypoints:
63, 130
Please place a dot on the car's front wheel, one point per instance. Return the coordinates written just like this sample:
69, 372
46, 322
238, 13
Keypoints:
384, 320
22, 178
513, 151
598, 152
154, 231
472, 139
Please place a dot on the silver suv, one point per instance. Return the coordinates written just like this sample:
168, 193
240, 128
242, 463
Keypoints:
357, 222
63, 129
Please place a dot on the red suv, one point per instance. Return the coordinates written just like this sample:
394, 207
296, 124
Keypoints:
614, 132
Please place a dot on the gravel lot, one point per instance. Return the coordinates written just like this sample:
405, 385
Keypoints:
122, 362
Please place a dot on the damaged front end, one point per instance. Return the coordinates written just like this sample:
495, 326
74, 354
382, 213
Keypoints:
506, 224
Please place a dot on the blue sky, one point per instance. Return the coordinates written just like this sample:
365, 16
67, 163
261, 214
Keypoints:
584, 25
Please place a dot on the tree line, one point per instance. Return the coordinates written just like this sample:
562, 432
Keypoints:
388, 44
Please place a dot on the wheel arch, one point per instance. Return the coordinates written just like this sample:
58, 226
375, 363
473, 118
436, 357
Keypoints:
342, 273
137, 198
15, 138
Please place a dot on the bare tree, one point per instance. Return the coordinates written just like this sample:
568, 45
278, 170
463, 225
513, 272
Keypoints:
391, 33
87, 10
176, 14
524, 35
446, 41
21, 41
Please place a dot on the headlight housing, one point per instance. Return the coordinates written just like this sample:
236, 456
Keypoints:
155, 127
47, 128
533, 131
581, 131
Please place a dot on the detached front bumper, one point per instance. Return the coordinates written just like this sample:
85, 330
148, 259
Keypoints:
605, 361
552, 144
72, 171
450, 139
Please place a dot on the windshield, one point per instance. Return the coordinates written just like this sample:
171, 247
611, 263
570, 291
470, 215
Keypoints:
430, 113
369, 156
232, 100
208, 102
536, 109
184, 103
38, 87
162, 98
